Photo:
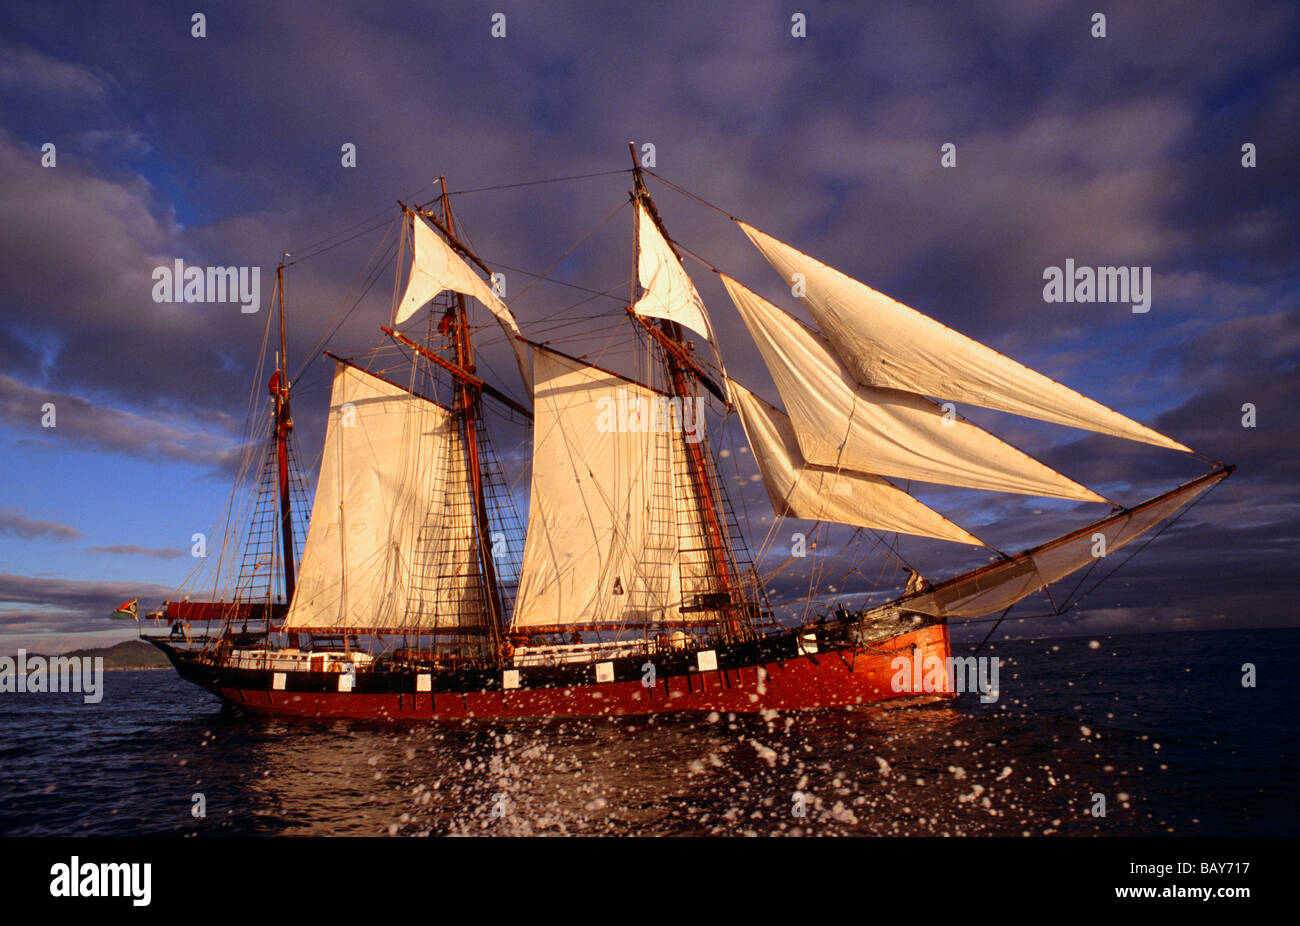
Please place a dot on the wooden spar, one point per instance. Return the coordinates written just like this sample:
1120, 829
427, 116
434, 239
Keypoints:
283, 425
462, 375
607, 626
678, 376
467, 398
538, 345
382, 379
398, 631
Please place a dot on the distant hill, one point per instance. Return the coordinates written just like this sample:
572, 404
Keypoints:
132, 654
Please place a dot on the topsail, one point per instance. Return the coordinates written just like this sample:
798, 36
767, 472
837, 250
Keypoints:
668, 291
435, 267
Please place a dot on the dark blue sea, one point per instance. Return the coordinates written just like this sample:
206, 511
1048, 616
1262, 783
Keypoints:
1159, 725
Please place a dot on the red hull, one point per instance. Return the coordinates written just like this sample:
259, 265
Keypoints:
837, 678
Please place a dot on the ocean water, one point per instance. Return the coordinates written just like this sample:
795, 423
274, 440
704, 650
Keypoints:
1159, 725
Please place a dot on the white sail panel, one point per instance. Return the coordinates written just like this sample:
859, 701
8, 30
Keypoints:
996, 587
381, 480
846, 497
603, 543
436, 267
844, 425
885, 343
668, 291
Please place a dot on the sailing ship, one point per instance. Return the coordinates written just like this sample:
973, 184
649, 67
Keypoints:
633, 591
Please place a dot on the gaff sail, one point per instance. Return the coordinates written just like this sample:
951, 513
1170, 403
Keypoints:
383, 479
604, 541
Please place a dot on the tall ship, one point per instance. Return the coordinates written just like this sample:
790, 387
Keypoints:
413, 591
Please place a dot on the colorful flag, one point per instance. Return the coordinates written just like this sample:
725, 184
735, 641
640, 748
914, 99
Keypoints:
126, 611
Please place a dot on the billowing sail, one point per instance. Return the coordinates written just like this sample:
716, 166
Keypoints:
995, 587
890, 432
798, 490
435, 267
887, 344
382, 480
603, 540
668, 291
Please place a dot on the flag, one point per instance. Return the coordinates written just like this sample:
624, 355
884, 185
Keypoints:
127, 610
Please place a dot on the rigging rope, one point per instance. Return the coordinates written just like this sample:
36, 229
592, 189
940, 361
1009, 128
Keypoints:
511, 186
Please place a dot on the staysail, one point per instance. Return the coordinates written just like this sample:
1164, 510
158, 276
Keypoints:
886, 344
997, 586
603, 543
435, 267
799, 490
844, 425
384, 481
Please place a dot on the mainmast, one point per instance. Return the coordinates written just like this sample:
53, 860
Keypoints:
283, 425
682, 371
467, 412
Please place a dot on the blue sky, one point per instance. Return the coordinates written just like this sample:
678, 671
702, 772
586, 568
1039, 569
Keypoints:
225, 150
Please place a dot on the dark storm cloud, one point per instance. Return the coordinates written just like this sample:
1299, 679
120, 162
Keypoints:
1226, 367
1061, 170
84, 425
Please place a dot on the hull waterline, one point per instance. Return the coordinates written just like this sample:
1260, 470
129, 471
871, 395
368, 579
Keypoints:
832, 677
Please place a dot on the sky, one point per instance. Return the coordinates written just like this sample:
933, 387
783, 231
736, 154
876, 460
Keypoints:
226, 149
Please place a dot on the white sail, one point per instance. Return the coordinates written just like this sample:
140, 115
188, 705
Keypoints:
381, 479
887, 344
844, 425
435, 267
798, 490
998, 586
668, 291
603, 543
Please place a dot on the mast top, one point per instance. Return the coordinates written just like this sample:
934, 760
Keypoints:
637, 176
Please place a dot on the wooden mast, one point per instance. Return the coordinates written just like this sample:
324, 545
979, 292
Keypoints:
680, 380
283, 425
467, 408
